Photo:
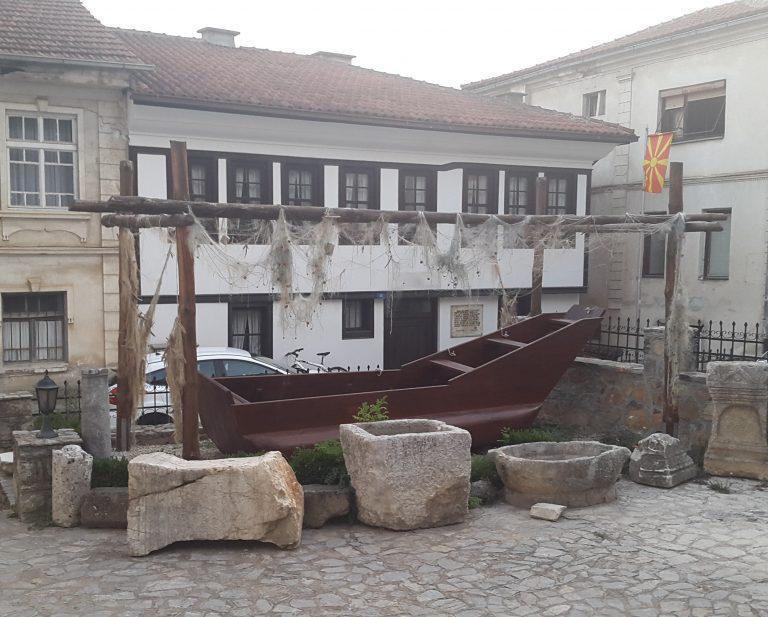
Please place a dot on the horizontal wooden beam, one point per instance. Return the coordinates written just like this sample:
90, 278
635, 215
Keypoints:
145, 205
142, 221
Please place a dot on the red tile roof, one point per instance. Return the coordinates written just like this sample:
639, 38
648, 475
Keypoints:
191, 72
60, 30
681, 25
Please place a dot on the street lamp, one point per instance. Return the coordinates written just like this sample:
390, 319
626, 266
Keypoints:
46, 391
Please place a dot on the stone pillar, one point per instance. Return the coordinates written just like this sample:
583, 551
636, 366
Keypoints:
653, 362
94, 412
16, 414
32, 473
738, 444
70, 483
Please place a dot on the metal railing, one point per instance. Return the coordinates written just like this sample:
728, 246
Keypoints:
621, 339
727, 342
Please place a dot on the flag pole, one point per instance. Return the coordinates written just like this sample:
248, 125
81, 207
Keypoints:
639, 265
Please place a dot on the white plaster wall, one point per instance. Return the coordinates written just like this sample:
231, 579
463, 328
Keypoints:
211, 320
490, 306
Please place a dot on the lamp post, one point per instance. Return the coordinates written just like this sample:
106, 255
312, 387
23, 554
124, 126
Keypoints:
46, 391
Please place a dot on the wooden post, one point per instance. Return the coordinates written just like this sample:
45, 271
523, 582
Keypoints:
187, 312
670, 289
537, 278
127, 307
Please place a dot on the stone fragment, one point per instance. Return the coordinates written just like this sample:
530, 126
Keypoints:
70, 483
171, 500
659, 460
6, 463
408, 474
94, 412
570, 473
485, 490
547, 511
105, 507
738, 443
32, 473
322, 503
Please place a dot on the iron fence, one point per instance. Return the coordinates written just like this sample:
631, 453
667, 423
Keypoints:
621, 339
721, 341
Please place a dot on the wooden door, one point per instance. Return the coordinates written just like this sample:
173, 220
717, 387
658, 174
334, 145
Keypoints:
410, 330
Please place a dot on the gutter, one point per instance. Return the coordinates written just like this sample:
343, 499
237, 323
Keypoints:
25, 59
240, 108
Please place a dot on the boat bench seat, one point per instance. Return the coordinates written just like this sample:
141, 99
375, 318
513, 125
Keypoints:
454, 366
500, 340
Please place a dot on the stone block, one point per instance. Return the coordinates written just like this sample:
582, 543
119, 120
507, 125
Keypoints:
738, 443
105, 507
70, 483
323, 503
32, 472
659, 460
171, 500
94, 412
6, 464
547, 511
408, 474
570, 473
16, 414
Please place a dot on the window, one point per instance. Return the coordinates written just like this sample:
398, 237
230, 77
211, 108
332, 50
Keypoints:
593, 104
695, 112
204, 186
248, 182
520, 193
654, 253
159, 378
302, 184
357, 318
42, 153
558, 195
418, 193
239, 368
717, 249
480, 193
358, 188
249, 329
34, 327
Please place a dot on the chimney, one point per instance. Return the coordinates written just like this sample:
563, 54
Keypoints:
219, 36
514, 96
335, 57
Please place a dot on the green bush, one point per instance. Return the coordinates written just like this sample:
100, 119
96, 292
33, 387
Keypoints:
483, 468
514, 436
373, 412
323, 464
474, 502
109, 472
59, 421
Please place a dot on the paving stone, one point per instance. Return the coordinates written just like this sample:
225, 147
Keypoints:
547, 511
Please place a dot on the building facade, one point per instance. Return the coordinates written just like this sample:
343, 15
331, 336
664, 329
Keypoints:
63, 132
701, 77
406, 145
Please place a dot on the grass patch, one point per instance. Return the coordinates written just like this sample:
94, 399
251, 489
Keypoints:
109, 472
515, 436
483, 468
474, 502
323, 464
59, 421
719, 486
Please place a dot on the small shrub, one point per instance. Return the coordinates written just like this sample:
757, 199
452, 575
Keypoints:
323, 464
109, 472
719, 486
59, 421
483, 468
514, 436
474, 502
373, 412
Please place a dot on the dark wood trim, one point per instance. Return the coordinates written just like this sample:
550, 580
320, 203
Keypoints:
431, 175
369, 320
493, 186
264, 164
315, 166
374, 183
241, 302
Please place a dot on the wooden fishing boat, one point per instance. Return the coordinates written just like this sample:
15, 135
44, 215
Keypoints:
488, 383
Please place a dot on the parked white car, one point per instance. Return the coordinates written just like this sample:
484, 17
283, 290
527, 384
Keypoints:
211, 361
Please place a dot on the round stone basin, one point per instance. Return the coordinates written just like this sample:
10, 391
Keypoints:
570, 473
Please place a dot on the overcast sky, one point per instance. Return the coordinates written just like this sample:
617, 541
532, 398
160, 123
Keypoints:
442, 41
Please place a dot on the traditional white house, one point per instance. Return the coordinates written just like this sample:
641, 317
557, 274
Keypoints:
271, 127
703, 77
63, 131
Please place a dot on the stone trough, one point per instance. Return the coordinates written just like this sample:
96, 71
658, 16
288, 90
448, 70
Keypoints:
571, 473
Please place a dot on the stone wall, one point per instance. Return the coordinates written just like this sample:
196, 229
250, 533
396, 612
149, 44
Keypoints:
621, 401
16, 409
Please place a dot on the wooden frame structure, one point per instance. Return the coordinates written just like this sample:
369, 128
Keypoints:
130, 213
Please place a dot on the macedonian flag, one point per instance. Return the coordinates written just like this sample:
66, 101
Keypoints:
656, 161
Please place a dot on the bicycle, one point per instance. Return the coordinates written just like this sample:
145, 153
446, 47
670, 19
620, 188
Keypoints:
306, 366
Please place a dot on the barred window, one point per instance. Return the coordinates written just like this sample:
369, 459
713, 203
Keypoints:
34, 327
42, 156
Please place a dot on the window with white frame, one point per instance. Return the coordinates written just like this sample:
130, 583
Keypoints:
693, 112
593, 104
717, 248
42, 159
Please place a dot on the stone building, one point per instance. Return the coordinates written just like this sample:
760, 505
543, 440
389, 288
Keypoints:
702, 77
63, 132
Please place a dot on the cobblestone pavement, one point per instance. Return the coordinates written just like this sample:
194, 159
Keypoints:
687, 551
